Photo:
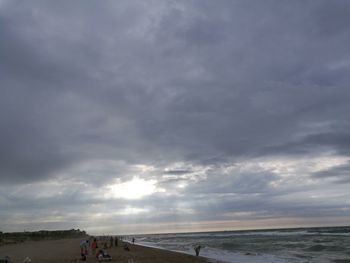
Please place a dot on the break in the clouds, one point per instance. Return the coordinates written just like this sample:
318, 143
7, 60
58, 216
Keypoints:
163, 116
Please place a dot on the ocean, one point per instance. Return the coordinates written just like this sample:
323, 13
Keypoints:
321, 245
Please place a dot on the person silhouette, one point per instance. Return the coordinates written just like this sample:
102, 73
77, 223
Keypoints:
197, 249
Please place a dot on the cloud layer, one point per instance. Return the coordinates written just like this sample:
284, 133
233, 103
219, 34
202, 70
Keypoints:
235, 112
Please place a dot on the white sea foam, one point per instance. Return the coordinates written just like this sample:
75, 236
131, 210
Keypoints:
231, 257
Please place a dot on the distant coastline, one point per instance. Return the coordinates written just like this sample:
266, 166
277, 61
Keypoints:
18, 237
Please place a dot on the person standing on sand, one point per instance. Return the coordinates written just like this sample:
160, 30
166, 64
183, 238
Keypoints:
116, 241
105, 245
84, 244
197, 249
94, 246
111, 242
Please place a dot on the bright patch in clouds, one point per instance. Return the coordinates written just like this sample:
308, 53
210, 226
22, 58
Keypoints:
134, 189
132, 211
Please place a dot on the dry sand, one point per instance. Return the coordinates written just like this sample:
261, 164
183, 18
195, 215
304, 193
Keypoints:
66, 250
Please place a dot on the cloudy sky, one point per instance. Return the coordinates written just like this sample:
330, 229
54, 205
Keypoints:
170, 116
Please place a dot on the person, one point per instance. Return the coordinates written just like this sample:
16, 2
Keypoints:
197, 249
103, 255
6, 260
84, 244
116, 241
105, 245
133, 240
94, 246
111, 242
126, 247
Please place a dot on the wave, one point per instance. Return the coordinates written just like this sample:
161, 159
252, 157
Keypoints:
319, 248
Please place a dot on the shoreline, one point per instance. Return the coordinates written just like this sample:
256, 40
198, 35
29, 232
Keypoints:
209, 260
68, 250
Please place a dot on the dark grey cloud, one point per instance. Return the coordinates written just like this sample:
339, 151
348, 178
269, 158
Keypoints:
339, 174
178, 172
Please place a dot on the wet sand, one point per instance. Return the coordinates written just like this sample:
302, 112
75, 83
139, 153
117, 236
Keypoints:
68, 250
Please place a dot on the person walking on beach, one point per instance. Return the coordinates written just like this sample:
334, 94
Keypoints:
133, 240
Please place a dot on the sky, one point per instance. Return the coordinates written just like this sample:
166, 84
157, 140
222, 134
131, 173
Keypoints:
157, 116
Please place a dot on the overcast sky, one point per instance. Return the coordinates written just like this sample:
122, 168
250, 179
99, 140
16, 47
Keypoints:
170, 116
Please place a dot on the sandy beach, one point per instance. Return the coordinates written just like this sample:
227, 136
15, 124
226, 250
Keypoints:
67, 250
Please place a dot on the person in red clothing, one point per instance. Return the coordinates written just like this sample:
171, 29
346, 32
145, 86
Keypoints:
94, 246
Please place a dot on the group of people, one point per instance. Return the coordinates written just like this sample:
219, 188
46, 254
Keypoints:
100, 253
6, 260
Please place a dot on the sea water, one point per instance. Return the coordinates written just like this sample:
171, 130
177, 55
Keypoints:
321, 245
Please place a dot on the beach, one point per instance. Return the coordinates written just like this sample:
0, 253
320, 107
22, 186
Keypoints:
299, 245
68, 250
